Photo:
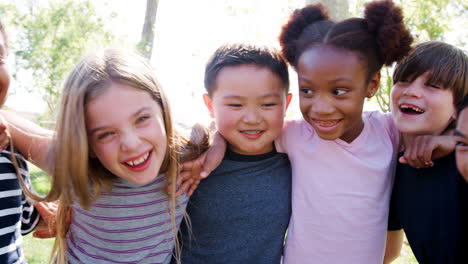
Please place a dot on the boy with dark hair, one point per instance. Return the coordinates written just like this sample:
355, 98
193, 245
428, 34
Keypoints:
429, 203
239, 214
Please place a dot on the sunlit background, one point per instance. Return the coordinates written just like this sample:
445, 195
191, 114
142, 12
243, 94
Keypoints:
186, 33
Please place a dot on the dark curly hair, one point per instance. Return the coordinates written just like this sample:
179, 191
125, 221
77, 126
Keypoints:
447, 66
379, 38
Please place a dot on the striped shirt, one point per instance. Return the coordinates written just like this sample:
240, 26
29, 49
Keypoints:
130, 224
17, 216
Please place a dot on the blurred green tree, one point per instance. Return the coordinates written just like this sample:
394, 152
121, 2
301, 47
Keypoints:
49, 39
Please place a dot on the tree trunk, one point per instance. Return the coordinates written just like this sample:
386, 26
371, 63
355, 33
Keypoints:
147, 35
338, 9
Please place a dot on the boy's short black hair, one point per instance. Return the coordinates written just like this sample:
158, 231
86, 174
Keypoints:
447, 66
245, 54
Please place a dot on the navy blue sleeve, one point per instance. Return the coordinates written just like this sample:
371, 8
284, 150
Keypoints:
393, 219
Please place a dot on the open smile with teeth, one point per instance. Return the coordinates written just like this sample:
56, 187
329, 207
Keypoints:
138, 161
326, 123
251, 132
411, 109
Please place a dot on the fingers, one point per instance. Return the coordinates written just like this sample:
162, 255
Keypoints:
183, 188
44, 234
193, 187
418, 153
47, 227
213, 157
187, 165
46, 210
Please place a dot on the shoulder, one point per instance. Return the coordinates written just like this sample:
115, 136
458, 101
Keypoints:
298, 127
383, 123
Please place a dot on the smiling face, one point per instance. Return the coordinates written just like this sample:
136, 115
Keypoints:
248, 104
421, 108
462, 143
126, 133
332, 89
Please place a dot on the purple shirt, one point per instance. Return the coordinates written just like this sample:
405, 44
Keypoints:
130, 224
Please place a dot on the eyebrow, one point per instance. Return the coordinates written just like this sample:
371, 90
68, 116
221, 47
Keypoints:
135, 114
242, 97
330, 81
459, 133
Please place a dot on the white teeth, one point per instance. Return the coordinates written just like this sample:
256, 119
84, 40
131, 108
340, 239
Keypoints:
326, 123
138, 161
416, 109
251, 131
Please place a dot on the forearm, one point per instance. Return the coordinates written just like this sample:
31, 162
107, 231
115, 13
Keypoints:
393, 246
33, 141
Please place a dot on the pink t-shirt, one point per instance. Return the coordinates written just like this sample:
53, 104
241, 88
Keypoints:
340, 192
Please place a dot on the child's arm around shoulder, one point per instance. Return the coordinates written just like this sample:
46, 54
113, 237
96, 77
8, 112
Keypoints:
33, 141
195, 149
420, 151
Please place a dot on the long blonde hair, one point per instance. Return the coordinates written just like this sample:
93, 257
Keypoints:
74, 171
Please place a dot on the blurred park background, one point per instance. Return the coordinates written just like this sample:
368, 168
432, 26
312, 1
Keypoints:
48, 36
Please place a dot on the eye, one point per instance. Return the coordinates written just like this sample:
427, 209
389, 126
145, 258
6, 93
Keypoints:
142, 119
461, 144
104, 135
305, 90
340, 91
234, 105
269, 105
435, 86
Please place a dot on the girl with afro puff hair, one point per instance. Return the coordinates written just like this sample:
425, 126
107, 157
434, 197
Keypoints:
342, 159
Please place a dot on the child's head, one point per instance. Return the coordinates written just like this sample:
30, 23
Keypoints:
4, 72
114, 121
429, 85
338, 64
247, 94
462, 137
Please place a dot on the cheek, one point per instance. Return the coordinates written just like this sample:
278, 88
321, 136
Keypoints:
304, 105
394, 93
276, 119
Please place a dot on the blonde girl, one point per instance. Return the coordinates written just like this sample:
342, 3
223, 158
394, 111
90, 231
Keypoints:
115, 151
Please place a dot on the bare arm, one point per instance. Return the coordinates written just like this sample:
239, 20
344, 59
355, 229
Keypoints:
393, 245
33, 141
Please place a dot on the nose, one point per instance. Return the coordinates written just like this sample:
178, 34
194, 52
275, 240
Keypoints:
129, 141
321, 106
251, 116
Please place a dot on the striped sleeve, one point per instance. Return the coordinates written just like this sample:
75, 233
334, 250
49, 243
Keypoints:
30, 217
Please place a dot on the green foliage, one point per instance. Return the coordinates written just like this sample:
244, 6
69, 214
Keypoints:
39, 179
37, 251
426, 20
51, 38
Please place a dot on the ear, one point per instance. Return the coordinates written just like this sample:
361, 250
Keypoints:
455, 113
373, 85
209, 104
288, 100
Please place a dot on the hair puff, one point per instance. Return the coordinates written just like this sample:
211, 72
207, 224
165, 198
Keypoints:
293, 29
385, 20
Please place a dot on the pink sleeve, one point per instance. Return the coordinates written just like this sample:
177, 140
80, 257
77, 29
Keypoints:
392, 130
